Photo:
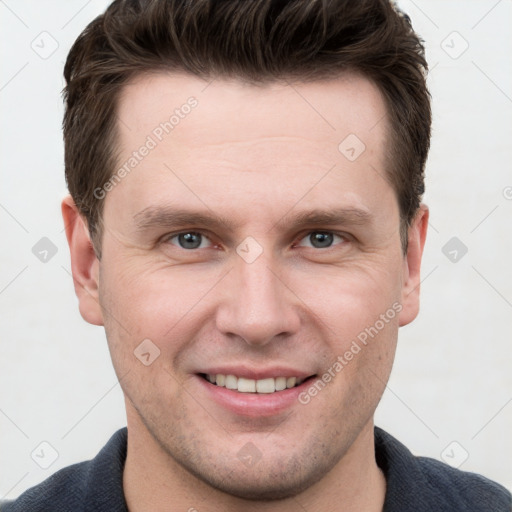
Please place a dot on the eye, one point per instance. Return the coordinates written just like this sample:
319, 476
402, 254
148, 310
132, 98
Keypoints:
190, 240
321, 239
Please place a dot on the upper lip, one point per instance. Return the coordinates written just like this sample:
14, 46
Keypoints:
257, 373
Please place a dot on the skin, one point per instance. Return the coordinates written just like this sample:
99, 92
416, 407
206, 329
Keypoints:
257, 157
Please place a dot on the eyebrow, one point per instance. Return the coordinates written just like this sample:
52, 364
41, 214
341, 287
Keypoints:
326, 217
155, 216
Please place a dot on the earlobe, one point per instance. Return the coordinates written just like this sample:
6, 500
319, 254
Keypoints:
84, 262
412, 265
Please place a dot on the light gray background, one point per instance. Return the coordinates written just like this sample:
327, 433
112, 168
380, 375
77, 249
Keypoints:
452, 380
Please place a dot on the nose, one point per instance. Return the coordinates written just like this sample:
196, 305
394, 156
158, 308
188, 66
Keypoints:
257, 305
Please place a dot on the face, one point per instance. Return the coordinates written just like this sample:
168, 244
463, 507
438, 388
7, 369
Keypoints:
254, 245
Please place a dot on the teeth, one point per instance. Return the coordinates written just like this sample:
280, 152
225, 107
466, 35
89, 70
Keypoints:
243, 385
231, 382
266, 385
246, 385
280, 383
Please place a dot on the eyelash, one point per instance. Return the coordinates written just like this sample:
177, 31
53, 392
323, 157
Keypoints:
345, 238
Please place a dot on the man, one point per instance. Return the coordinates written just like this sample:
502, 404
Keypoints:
245, 220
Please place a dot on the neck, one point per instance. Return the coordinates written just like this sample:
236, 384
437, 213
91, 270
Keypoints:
154, 481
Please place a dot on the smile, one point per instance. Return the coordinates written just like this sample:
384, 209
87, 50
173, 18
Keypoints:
243, 385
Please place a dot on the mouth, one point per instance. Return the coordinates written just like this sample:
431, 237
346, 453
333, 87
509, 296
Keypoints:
267, 386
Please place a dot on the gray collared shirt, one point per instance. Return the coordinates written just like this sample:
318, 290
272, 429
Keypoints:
414, 484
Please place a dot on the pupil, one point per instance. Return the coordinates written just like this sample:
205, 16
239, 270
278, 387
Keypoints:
190, 240
321, 239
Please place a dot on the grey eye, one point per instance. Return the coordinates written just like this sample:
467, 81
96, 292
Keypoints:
321, 239
189, 240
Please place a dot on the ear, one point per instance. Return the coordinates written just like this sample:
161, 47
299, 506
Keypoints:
411, 266
84, 263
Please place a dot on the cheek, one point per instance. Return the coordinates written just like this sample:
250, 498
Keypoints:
358, 311
157, 302
143, 294
348, 300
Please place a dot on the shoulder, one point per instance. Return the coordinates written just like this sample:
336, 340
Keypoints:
422, 483
90, 485
61, 491
460, 487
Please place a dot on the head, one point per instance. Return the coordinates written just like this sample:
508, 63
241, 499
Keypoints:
271, 225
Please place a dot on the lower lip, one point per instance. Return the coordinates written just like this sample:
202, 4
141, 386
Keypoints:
253, 405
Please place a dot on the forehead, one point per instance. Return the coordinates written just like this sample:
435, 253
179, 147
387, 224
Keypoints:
226, 139
329, 107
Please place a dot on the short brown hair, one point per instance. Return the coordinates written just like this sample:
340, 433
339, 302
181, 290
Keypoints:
252, 40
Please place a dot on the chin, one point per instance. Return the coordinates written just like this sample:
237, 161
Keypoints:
277, 475
263, 484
